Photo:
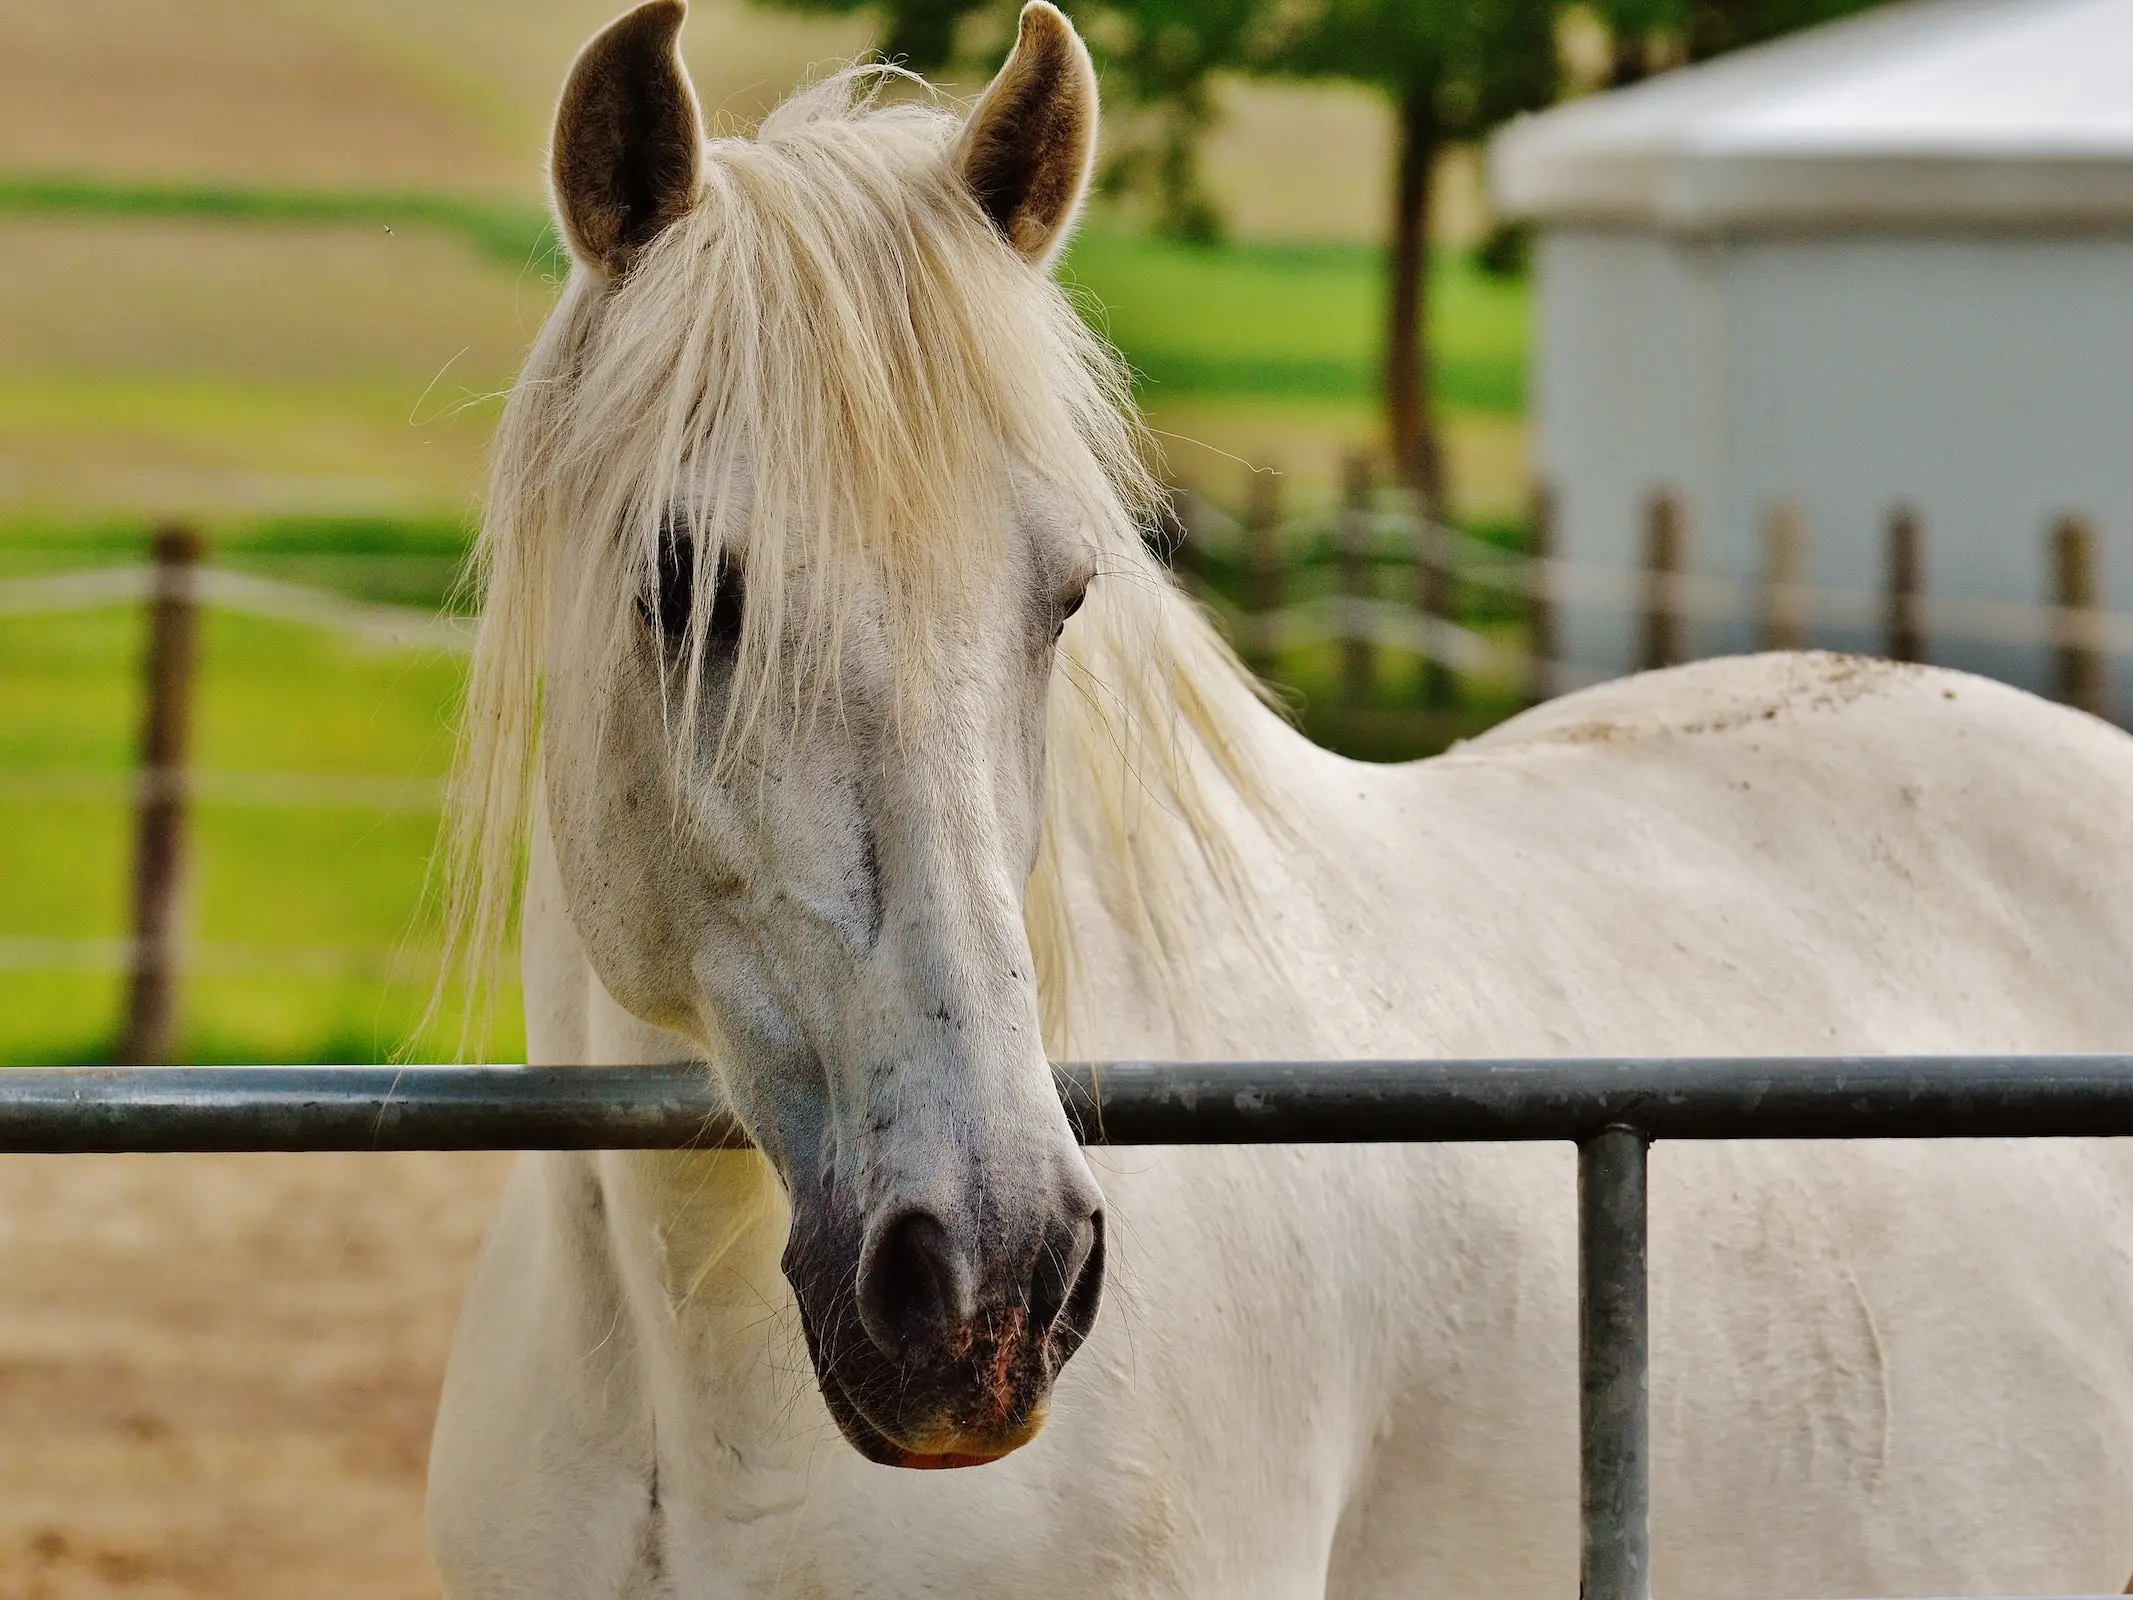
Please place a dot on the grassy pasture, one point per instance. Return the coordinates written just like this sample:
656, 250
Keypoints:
1298, 322
305, 899
213, 351
220, 349
1294, 320
1255, 356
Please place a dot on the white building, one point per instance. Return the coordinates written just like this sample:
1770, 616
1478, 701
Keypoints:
1886, 261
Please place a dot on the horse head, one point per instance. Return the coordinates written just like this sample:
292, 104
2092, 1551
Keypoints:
806, 476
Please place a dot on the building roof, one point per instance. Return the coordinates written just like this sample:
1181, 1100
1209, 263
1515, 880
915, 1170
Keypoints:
2002, 113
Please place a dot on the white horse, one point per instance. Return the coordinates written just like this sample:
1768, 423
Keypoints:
777, 684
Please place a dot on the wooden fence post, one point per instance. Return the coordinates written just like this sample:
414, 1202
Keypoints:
1540, 598
2079, 658
1662, 565
1264, 575
159, 848
1436, 596
1781, 611
1906, 638
1357, 588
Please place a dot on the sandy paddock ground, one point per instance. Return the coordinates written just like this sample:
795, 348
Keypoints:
217, 1373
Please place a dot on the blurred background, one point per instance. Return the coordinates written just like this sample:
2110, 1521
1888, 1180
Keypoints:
1815, 343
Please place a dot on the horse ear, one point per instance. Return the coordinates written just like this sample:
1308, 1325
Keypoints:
1027, 149
628, 150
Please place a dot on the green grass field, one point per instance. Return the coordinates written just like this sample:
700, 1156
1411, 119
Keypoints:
1299, 323
304, 903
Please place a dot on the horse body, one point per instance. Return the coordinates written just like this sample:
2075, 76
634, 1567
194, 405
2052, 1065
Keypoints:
1878, 1368
833, 781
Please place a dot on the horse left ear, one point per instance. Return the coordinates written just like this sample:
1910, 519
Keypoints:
1027, 149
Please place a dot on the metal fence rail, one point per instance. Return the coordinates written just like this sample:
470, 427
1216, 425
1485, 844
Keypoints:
1612, 1110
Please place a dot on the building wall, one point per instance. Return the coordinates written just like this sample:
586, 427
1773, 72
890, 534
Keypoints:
1986, 380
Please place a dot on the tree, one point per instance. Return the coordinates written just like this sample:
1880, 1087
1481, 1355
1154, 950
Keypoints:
1452, 69
1164, 54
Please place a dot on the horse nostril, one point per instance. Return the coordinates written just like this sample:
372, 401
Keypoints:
1068, 1283
914, 1282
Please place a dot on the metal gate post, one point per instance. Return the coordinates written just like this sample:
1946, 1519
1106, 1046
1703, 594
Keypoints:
1614, 1456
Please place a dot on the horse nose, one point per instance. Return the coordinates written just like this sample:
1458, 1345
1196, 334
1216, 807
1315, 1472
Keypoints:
919, 1283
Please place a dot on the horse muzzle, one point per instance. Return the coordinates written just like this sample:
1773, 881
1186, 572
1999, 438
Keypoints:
932, 1352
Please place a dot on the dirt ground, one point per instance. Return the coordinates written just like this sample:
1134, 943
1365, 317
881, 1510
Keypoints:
217, 1373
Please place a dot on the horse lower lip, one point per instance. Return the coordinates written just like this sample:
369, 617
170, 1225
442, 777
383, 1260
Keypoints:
918, 1463
859, 1430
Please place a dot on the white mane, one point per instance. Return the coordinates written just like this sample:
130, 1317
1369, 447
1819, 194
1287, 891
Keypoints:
824, 368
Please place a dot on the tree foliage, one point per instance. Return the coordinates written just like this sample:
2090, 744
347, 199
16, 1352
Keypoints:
1164, 54
1700, 29
1475, 62
1712, 27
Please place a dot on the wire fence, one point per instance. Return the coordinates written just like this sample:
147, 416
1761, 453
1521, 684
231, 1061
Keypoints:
1489, 610
1357, 580
166, 785
366, 622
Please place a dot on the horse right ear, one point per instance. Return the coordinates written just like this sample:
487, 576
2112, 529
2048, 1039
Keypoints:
627, 157
1028, 146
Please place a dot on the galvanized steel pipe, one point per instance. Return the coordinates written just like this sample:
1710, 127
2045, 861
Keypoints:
1126, 1102
1614, 1413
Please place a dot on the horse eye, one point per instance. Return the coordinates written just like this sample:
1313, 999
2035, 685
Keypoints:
671, 608
1073, 604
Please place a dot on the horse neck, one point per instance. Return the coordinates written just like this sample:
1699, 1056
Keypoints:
1156, 900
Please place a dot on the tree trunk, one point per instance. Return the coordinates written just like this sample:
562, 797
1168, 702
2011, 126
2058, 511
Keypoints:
1631, 60
1417, 452
1418, 456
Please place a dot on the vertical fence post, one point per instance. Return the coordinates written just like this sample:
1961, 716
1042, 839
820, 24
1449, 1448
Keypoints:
159, 847
1540, 598
1614, 1403
1264, 576
2079, 678
1436, 595
1781, 614
1357, 572
1662, 564
1906, 639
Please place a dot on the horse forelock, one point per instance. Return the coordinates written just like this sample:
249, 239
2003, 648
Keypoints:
826, 369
